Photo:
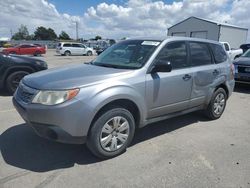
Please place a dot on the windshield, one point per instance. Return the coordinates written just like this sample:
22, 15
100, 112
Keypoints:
246, 54
130, 54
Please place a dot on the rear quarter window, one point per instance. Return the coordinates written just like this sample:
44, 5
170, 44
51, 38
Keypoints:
219, 53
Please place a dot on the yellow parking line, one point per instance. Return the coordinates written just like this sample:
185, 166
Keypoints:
10, 110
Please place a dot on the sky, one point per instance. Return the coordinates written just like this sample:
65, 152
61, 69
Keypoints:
116, 18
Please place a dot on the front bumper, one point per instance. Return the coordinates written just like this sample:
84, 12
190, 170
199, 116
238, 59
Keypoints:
68, 122
242, 77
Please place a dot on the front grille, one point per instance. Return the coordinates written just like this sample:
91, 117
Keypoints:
25, 93
242, 69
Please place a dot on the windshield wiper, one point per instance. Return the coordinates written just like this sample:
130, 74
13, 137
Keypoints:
106, 65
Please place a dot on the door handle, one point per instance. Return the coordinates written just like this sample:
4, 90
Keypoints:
215, 72
186, 77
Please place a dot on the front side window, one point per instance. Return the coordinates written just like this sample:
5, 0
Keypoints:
130, 54
199, 54
26, 46
175, 53
77, 45
219, 53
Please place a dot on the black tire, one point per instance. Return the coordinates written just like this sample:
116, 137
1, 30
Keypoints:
37, 53
211, 109
13, 80
67, 53
94, 139
89, 53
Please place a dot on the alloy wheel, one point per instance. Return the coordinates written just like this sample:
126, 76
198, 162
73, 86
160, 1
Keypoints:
219, 104
114, 134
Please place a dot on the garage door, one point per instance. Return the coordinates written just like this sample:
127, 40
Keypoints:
179, 34
199, 34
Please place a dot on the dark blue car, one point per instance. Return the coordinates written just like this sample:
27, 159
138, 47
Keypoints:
242, 68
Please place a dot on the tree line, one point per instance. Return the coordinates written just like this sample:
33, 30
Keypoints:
41, 33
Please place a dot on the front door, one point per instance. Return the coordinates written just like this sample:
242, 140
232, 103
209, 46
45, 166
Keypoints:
170, 92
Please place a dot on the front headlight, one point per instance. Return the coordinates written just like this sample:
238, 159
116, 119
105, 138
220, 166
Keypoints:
42, 64
54, 97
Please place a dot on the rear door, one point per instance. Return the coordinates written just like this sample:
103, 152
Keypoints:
168, 92
77, 49
204, 70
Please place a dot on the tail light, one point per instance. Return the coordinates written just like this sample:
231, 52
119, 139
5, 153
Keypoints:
232, 71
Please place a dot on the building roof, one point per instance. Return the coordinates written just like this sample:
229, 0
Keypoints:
210, 21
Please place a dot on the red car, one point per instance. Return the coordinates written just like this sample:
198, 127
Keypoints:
26, 49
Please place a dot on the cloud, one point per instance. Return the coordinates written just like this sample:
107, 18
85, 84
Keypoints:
145, 17
132, 18
33, 13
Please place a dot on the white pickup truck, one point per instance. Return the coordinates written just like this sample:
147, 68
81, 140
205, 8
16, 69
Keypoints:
233, 53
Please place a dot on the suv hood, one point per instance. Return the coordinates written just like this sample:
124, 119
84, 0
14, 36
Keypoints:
242, 61
69, 77
22, 59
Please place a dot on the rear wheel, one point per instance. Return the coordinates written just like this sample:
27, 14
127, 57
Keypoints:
111, 133
67, 53
13, 80
217, 104
37, 53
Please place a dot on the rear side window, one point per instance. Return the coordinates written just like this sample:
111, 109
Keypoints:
219, 53
199, 54
176, 53
67, 45
226, 47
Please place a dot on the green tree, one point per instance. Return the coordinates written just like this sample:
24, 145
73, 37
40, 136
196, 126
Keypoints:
22, 34
64, 36
98, 37
43, 33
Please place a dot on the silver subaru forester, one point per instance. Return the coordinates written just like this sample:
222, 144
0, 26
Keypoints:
131, 84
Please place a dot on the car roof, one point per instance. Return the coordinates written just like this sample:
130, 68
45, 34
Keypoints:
70, 42
173, 38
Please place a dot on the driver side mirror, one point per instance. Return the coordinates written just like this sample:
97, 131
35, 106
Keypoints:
162, 66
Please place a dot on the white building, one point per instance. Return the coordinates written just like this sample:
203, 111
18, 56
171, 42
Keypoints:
203, 28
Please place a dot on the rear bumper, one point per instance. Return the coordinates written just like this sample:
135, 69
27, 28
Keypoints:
66, 123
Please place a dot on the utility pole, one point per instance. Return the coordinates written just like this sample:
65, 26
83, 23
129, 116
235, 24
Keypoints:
11, 33
76, 30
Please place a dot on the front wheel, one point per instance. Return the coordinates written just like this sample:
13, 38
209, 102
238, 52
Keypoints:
111, 133
217, 104
13, 81
89, 53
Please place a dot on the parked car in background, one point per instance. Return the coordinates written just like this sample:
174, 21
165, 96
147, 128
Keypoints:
100, 45
13, 68
25, 49
71, 48
131, 84
233, 53
242, 68
245, 47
